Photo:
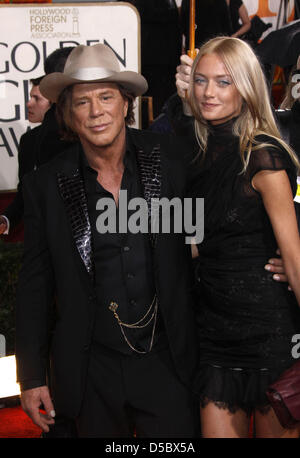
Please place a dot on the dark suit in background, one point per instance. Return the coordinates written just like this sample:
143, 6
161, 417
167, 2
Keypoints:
37, 146
160, 47
212, 19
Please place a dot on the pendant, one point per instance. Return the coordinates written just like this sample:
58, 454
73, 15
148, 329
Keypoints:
113, 306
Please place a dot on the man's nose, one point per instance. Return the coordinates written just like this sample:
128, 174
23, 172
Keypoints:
96, 108
29, 103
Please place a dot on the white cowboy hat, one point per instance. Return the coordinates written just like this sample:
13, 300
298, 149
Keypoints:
91, 64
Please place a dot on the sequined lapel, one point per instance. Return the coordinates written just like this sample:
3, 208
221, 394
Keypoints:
150, 173
73, 194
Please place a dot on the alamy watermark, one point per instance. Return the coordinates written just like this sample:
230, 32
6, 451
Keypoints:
179, 216
296, 347
2, 346
296, 88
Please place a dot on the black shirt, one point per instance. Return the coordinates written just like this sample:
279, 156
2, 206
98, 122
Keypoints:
123, 266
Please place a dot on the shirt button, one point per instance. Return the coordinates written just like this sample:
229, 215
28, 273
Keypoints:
129, 275
133, 302
126, 248
86, 347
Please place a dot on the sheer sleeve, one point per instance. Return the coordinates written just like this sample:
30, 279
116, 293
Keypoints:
272, 156
236, 4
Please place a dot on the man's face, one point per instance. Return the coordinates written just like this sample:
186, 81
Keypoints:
98, 114
37, 105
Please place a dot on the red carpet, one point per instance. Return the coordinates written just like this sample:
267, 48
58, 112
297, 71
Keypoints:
15, 423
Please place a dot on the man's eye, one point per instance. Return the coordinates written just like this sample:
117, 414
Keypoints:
80, 102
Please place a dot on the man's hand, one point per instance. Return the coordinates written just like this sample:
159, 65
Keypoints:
3, 225
32, 399
183, 75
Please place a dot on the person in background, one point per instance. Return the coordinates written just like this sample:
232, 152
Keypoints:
160, 47
288, 117
213, 18
289, 112
38, 145
239, 18
37, 105
291, 94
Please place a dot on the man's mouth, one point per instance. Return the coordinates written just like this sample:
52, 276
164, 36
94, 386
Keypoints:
98, 127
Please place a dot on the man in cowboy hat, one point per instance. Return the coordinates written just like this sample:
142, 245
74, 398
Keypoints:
117, 353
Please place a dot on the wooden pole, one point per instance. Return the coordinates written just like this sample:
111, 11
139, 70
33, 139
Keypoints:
191, 51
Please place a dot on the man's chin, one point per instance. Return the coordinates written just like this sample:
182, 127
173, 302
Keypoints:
99, 141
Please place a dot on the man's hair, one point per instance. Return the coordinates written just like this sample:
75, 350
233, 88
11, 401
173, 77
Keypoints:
36, 81
55, 62
64, 112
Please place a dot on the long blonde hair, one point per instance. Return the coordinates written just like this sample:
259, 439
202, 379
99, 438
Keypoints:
256, 116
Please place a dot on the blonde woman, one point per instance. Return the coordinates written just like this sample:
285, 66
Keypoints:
247, 176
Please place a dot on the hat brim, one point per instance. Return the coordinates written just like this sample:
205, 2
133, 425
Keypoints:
53, 84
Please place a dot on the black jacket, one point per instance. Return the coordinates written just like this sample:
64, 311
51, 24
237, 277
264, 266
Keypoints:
58, 263
289, 125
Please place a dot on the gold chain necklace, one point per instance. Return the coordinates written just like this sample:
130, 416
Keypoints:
154, 305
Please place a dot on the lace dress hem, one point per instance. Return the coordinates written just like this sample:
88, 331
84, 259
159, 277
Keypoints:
235, 389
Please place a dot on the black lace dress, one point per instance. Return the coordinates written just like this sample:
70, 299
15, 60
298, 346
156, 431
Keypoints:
245, 319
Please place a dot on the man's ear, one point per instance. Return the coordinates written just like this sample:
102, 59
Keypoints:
126, 104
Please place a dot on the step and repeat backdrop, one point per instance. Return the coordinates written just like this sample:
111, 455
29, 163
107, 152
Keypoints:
28, 34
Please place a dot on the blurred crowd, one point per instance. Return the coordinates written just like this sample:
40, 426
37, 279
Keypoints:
165, 36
